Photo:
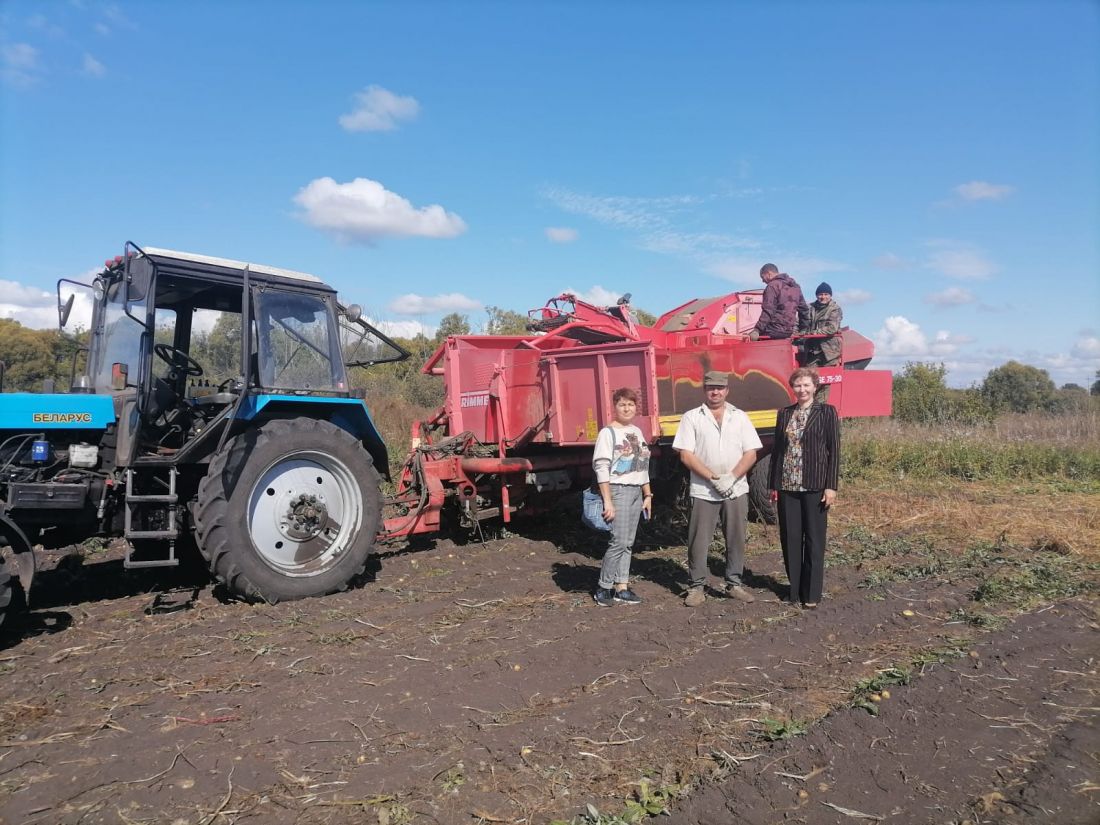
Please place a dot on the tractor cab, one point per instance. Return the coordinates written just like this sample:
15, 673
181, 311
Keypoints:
170, 344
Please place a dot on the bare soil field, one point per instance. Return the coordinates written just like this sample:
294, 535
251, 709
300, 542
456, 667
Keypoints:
950, 676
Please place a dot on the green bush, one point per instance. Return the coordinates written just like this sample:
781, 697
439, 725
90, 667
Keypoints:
921, 396
1019, 388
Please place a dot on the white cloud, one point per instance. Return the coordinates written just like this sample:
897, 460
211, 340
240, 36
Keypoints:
597, 295
979, 190
379, 110
947, 343
1087, 347
413, 304
853, 297
17, 293
93, 67
37, 308
951, 297
33, 317
561, 234
364, 210
900, 338
1078, 366
624, 212
404, 329
888, 260
19, 65
961, 261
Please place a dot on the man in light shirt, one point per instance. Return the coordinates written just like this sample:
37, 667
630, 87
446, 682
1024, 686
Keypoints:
718, 444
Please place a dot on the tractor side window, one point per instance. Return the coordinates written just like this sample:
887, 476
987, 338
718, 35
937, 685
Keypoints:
364, 346
216, 344
299, 348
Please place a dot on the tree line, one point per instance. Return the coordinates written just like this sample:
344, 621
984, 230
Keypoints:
33, 356
921, 394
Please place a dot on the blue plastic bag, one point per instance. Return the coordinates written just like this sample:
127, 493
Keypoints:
592, 511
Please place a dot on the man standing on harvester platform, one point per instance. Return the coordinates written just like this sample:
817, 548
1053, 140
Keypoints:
718, 444
826, 318
783, 309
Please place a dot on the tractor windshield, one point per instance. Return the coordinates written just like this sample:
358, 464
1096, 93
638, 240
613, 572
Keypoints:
298, 345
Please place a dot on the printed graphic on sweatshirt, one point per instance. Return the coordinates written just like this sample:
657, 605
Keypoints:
629, 455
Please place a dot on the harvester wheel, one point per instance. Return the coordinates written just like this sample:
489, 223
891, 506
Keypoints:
760, 497
288, 510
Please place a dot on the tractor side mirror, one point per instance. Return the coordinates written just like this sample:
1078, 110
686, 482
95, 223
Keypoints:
64, 310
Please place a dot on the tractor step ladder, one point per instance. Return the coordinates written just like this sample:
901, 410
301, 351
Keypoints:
170, 502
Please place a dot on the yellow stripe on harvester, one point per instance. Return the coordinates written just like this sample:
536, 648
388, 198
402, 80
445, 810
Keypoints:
761, 420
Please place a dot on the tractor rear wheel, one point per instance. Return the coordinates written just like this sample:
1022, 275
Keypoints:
760, 497
288, 510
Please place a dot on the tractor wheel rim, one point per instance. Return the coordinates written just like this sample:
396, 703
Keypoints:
304, 512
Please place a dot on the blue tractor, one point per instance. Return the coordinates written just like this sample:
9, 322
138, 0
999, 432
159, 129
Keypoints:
210, 410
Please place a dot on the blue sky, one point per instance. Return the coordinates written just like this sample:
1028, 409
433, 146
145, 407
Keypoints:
937, 163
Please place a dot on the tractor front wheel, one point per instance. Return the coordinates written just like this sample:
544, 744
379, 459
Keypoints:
288, 510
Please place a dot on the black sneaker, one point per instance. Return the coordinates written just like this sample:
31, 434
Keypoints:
627, 596
603, 597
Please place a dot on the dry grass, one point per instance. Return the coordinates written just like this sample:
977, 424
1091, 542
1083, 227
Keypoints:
1079, 429
1013, 447
952, 512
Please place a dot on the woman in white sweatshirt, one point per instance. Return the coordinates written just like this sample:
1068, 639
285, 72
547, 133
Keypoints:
621, 465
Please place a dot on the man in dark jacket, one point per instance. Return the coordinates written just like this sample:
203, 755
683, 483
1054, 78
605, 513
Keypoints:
783, 309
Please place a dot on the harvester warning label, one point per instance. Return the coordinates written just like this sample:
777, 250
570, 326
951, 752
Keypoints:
474, 399
61, 418
590, 428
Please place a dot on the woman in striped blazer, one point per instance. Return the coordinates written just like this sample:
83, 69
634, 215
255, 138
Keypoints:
805, 470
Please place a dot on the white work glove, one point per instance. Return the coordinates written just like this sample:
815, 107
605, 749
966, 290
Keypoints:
724, 484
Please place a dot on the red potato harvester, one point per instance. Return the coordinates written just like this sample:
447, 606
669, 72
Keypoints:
521, 412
